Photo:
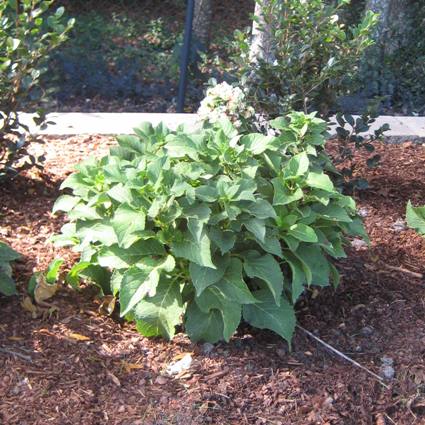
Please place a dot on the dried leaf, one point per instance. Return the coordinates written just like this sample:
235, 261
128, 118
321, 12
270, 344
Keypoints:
43, 291
128, 367
78, 337
28, 305
108, 305
15, 338
114, 379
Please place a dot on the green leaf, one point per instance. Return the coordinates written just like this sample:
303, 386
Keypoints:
279, 123
333, 212
115, 257
257, 227
261, 209
267, 269
196, 251
201, 326
320, 181
202, 277
271, 245
298, 277
7, 254
7, 284
180, 145
268, 315
131, 143
315, 264
162, 311
258, 143
73, 276
126, 222
121, 193
232, 285
283, 195
303, 233
83, 212
65, 203
99, 276
415, 217
52, 272
213, 299
224, 239
297, 166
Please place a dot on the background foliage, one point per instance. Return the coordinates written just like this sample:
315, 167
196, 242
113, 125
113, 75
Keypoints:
28, 32
314, 56
7, 256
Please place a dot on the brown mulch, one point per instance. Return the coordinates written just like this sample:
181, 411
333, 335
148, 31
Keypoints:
51, 374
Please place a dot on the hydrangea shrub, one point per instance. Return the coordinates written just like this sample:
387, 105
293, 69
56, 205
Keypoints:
204, 229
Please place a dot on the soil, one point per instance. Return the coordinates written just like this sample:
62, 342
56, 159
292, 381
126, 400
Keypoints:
81, 367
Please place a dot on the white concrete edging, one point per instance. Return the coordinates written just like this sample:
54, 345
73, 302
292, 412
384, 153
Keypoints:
71, 123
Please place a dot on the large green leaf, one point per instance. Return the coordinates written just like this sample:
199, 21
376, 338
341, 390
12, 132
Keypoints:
261, 209
132, 143
201, 326
196, 251
266, 314
116, 257
232, 285
283, 195
214, 299
96, 231
141, 280
297, 166
257, 227
298, 277
315, 264
126, 221
7, 284
320, 181
258, 143
7, 254
202, 277
179, 146
267, 269
303, 233
224, 239
65, 203
161, 312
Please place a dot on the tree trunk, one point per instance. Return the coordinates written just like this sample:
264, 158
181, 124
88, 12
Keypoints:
202, 23
261, 43
389, 33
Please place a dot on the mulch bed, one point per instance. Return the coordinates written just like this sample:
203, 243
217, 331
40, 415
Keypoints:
50, 374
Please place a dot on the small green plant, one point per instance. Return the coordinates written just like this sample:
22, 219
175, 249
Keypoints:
314, 56
415, 217
209, 228
351, 136
45, 279
7, 255
27, 35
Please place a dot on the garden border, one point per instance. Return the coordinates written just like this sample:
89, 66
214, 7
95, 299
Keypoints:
402, 128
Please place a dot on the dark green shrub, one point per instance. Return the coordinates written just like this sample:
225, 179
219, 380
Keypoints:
209, 227
27, 34
315, 56
7, 255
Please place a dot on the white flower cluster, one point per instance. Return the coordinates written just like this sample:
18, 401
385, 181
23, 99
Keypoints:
224, 100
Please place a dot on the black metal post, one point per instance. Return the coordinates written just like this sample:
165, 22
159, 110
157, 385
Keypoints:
184, 62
